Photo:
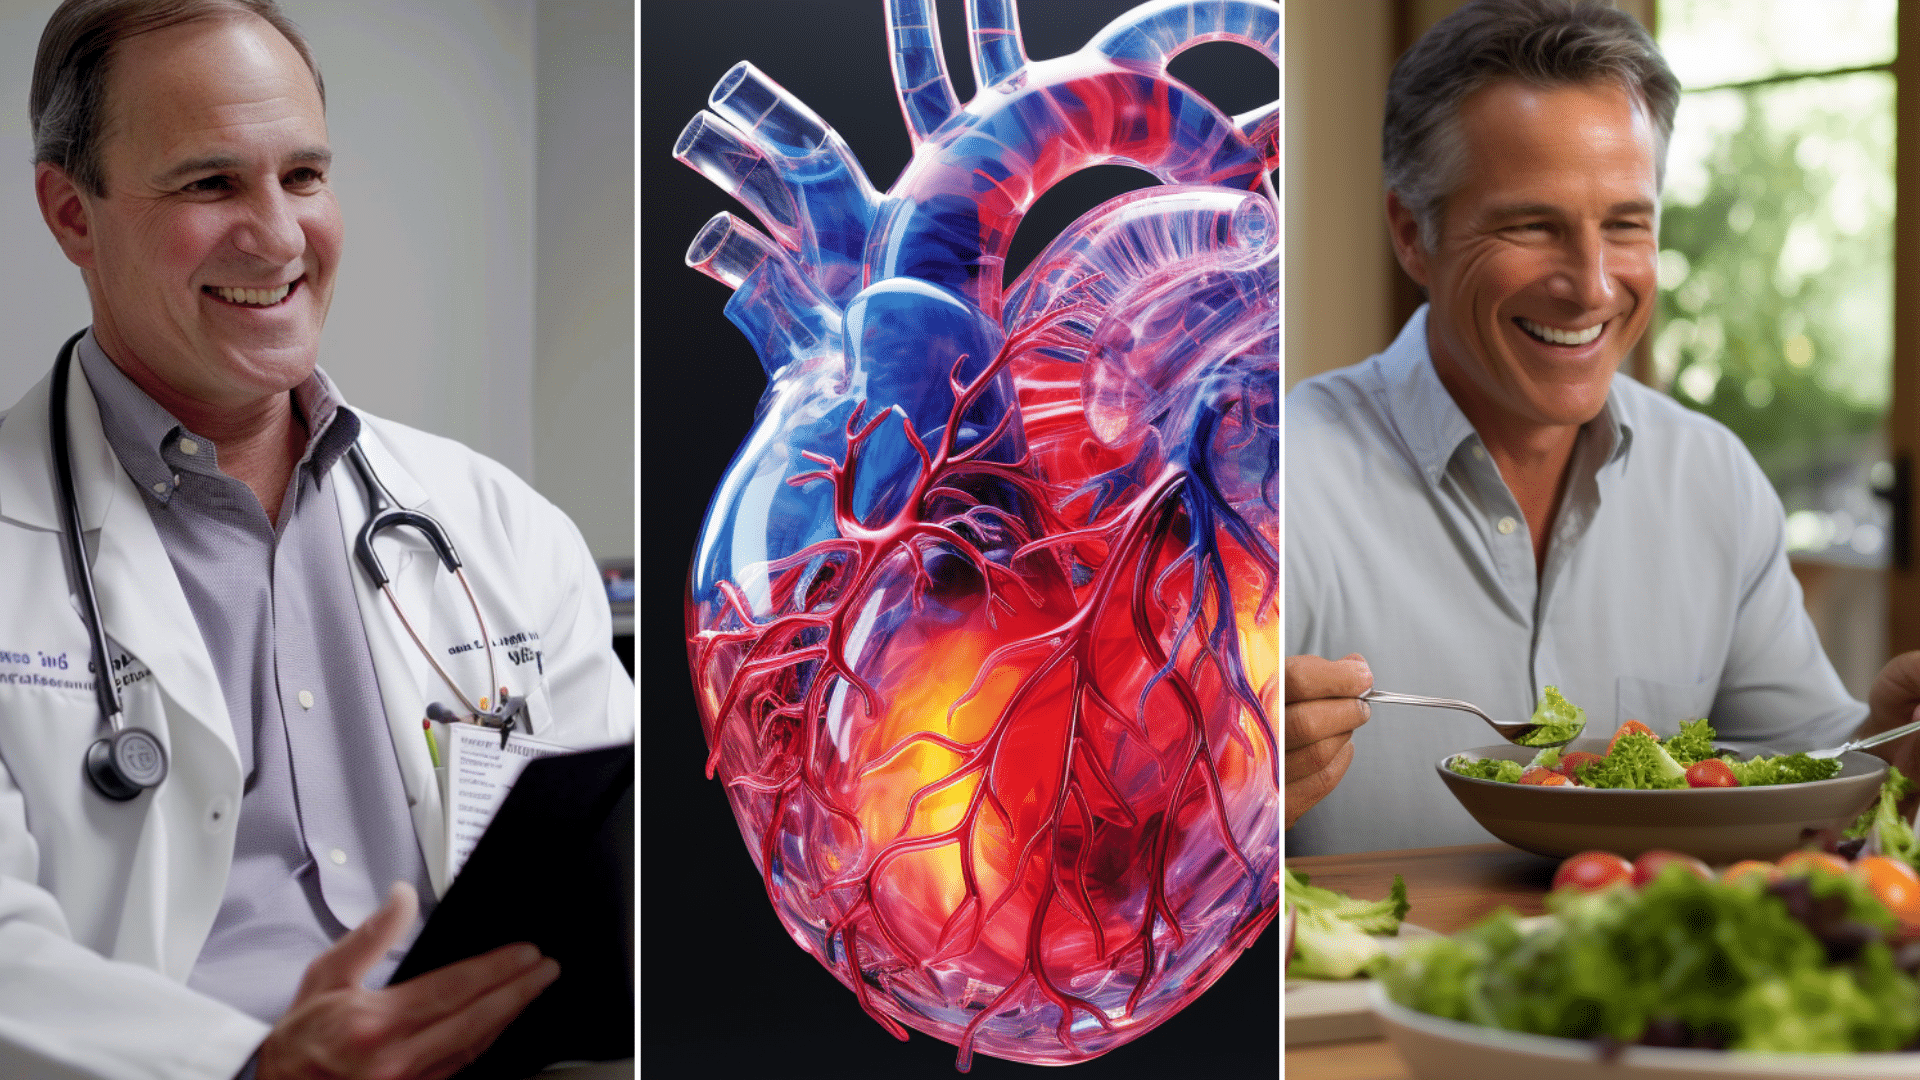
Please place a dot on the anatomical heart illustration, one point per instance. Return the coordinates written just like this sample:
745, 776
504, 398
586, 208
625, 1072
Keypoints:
983, 621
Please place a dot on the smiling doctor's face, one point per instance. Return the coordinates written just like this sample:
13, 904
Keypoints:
210, 259
1543, 274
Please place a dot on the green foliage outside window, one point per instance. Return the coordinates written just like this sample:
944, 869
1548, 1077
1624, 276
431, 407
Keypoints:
1776, 293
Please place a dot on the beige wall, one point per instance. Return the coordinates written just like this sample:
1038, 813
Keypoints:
1339, 270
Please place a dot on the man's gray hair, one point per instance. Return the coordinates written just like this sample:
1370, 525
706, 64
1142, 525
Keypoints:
1547, 43
67, 104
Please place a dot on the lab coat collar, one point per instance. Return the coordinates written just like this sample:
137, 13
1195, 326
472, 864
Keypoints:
28, 495
141, 604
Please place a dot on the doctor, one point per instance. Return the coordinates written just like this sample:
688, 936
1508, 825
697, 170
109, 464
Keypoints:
227, 921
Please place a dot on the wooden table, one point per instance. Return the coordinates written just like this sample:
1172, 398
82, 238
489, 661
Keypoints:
1449, 888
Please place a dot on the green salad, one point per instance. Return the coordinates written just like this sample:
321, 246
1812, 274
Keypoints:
1639, 759
1798, 965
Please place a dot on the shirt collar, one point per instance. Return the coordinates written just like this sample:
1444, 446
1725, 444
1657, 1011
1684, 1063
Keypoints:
1434, 428
140, 431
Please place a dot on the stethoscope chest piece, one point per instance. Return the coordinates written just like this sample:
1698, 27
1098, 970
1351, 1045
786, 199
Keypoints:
126, 763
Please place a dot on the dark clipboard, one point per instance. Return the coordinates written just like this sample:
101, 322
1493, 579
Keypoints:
555, 867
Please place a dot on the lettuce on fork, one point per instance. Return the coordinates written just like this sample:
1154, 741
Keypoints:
1559, 719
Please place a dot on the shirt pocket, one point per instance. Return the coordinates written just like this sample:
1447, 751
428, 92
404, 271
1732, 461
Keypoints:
1662, 706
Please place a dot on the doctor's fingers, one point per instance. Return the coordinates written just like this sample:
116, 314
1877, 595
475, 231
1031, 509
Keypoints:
1309, 722
433, 996
448, 1044
348, 961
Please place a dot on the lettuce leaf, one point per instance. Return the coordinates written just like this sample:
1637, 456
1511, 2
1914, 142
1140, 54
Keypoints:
1693, 743
1636, 761
1784, 769
1336, 936
1507, 772
1892, 834
1559, 719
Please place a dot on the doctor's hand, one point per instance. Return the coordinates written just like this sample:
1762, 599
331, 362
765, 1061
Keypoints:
423, 1029
1323, 708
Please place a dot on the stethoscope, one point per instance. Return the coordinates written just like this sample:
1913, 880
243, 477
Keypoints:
130, 760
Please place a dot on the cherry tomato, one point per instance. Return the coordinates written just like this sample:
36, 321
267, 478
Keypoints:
1591, 871
1893, 883
1650, 863
1631, 727
1808, 862
1711, 773
1746, 868
1541, 776
1571, 761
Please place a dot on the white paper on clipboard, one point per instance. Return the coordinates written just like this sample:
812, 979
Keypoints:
479, 772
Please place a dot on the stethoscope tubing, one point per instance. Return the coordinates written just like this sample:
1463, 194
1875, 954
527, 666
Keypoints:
82, 576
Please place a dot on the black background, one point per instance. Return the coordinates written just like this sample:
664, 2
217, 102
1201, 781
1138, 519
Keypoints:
724, 992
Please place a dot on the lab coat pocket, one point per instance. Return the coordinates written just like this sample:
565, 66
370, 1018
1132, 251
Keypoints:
1662, 706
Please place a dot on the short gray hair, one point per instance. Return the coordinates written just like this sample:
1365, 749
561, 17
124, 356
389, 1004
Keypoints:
1547, 43
67, 104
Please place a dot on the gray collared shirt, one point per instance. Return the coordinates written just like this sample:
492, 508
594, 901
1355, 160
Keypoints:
1666, 594
323, 827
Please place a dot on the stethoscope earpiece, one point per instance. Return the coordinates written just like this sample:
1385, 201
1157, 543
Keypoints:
126, 763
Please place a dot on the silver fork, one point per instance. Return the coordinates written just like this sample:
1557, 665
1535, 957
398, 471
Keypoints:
1511, 730
1886, 736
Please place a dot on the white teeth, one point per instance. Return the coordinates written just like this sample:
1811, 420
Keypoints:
1562, 337
252, 297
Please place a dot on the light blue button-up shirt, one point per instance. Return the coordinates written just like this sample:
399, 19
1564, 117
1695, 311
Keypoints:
1666, 595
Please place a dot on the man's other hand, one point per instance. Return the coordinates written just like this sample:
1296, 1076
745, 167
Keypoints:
1895, 700
423, 1029
1323, 708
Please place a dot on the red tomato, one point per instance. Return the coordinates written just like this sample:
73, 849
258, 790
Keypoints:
1571, 761
1542, 776
1649, 864
1893, 883
1746, 868
1711, 773
1631, 727
1591, 871
1808, 862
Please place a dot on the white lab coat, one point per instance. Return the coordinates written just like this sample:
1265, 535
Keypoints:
104, 906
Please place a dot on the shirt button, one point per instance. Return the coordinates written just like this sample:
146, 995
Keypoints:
1507, 525
188, 447
1479, 452
218, 811
160, 487
306, 699
339, 857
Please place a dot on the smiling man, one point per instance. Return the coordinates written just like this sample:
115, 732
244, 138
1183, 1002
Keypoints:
241, 915
1488, 507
